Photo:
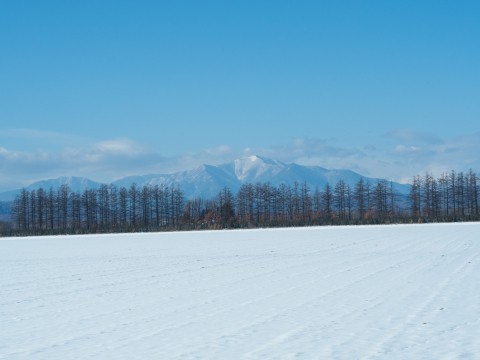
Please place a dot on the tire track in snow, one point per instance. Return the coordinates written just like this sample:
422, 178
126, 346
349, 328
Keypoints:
307, 300
310, 305
424, 311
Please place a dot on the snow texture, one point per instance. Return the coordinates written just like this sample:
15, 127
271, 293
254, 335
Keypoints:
371, 292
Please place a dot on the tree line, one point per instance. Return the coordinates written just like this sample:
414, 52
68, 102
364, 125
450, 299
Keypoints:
451, 197
106, 209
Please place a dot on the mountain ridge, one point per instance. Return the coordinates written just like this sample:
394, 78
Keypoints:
207, 180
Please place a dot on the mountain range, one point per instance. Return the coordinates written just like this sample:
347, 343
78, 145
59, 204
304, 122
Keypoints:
207, 180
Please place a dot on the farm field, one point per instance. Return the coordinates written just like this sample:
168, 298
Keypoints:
368, 292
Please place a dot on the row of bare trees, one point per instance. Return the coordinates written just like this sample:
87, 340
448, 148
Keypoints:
107, 209
262, 204
149, 208
451, 197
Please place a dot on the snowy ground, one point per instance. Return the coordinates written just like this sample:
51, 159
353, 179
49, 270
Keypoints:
386, 292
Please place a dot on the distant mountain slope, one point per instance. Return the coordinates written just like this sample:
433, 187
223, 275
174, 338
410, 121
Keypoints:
207, 180
77, 184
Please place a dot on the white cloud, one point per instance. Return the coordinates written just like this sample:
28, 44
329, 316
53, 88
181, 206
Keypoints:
398, 157
214, 156
101, 161
26, 136
404, 149
409, 135
121, 147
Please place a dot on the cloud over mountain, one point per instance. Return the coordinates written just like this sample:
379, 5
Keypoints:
398, 156
206, 181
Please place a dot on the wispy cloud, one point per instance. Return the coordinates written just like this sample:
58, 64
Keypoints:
411, 136
404, 149
399, 155
35, 136
121, 147
102, 161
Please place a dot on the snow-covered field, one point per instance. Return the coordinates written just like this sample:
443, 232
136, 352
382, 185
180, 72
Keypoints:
372, 292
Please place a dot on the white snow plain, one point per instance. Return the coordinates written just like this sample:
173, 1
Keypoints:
369, 292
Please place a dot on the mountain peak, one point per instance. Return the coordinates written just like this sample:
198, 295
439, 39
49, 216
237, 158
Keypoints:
207, 180
253, 168
265, 160
251, 158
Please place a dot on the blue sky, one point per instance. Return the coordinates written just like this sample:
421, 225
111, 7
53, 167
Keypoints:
106, 89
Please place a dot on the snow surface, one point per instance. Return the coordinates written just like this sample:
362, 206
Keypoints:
371, 292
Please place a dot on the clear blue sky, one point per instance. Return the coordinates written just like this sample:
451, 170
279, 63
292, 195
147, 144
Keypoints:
109, 88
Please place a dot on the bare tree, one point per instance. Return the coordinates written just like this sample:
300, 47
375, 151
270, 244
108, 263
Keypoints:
327, 202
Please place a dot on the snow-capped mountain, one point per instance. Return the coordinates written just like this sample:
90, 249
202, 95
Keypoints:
255, 169
204, 181
207, 180
77, 184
